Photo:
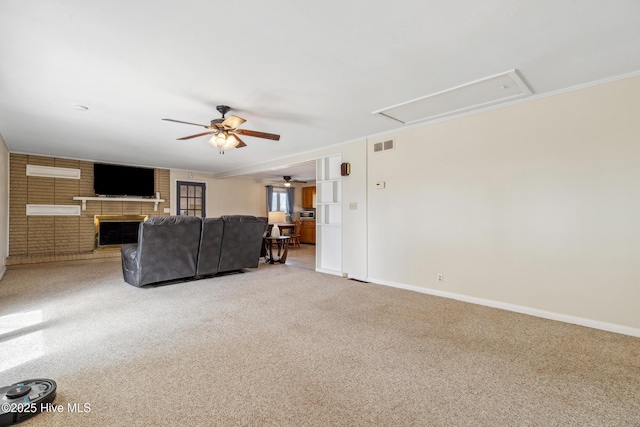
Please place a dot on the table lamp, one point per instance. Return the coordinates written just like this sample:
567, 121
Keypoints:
276, 218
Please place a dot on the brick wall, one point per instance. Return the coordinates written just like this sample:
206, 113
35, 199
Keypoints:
61, 235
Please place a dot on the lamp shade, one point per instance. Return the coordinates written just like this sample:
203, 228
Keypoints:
221, 139
231, 142
276, 218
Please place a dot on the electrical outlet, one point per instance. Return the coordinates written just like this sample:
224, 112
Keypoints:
440, 277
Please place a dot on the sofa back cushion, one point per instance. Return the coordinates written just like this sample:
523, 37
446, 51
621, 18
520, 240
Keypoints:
168, 248
241, 242
210, 246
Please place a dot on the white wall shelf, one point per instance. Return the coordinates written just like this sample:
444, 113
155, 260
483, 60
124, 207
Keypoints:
119, 199
329, 215
53, 172
53, 210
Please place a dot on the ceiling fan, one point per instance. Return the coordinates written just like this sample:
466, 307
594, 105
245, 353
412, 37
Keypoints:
224, 131
288, 181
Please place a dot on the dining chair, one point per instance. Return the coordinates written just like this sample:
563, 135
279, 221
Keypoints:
295, 234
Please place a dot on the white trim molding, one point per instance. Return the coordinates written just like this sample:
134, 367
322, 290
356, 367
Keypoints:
595, 324
53, 172
53, 210
328, 271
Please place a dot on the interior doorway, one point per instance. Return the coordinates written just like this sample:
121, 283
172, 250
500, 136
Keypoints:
191, 198
297, 176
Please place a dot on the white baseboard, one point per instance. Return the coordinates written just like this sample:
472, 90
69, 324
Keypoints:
359, 278
328, 271
610, 327
2, 271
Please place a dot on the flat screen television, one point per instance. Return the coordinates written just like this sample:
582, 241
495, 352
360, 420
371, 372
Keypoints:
116, 180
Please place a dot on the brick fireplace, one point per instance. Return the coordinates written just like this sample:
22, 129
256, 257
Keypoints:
38, 239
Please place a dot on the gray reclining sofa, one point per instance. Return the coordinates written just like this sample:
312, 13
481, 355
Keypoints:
187, 247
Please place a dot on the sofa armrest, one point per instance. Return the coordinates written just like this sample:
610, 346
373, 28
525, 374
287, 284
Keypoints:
129, 255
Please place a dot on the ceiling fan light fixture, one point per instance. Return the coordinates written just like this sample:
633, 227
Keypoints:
287, 184
221, 140
231, 142
223, 132
212, 141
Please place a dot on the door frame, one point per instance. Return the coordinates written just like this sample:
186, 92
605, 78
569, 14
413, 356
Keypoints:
203, 200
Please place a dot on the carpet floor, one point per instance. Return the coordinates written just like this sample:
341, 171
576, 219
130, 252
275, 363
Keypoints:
282, 345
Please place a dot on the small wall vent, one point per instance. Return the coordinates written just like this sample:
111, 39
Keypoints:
383, 146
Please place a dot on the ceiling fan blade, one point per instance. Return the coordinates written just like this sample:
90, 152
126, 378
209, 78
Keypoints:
240, 142
186, 123
233, 122
195, 136
258, 134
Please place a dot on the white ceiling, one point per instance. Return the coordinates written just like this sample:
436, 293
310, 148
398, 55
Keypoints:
305, 171
312, 72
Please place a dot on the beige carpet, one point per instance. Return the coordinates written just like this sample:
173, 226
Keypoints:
286, 346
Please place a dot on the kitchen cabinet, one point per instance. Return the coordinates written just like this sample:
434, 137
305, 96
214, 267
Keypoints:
308, 232
308, 197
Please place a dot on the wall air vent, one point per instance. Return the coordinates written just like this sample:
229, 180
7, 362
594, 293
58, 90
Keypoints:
383, 146
479, 94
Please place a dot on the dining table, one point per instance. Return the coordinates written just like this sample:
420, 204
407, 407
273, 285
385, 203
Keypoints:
286, 228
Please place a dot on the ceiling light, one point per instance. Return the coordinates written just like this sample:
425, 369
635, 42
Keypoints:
287, 184
218, 139
221, 140
231, 142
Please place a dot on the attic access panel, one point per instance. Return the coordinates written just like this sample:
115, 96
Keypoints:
470, 96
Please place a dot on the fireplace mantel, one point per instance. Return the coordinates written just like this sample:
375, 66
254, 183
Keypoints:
119, 199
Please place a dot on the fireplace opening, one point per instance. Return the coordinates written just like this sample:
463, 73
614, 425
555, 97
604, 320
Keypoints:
113, 231
118, 233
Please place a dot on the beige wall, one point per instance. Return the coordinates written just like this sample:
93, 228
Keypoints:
57, 235
4, 205
239, 196
534, 205
231, 196
354, 217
